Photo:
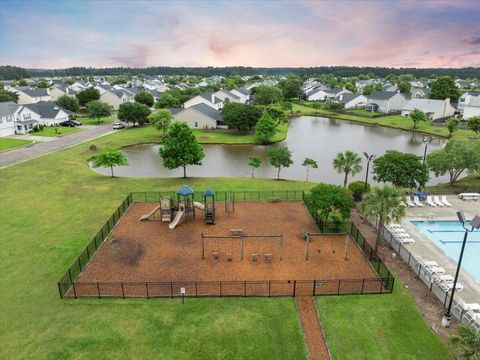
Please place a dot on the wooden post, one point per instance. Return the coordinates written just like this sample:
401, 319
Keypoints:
346, 247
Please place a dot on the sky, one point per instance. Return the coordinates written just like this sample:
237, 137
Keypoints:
60, 34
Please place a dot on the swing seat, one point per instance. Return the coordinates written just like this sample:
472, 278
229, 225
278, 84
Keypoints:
254, 257
215, 255
229, 257
268, 257
236, 232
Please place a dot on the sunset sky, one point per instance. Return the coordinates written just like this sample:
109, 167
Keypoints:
55, 34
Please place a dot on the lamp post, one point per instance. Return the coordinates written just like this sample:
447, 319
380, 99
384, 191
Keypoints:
475, 224
426, 140
369, 158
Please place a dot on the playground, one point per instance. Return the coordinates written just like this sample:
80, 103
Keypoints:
245, 241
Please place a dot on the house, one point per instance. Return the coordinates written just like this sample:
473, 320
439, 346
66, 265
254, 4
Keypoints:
225, 94
471, 108
466, 97
60, 90
433, 109
28, 95
351, 101
199, 116
242, 93
78, 85
46, 113
390, 87
317, 94
386, 101
207, 98
8, 115
420, 92
115, 98
102, 88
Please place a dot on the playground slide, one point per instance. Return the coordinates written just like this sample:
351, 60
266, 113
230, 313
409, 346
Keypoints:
177, 219
149, 215
199, 205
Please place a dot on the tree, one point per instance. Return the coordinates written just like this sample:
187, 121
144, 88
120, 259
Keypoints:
367, 90
280, 157
239, 116
167, 101
161, 118
452, 126
309, 164
6, 95
87, 95
133, 112
404, 87
474, 124
378, 87
291, 87
456, 157
96, 109
255, 163
348, 162
265, 128
350, 86
68, 102
277, 114
144, 98
181, 148
358, 189
403, 170
417, 116
444, 87
266, 95
22, 82
384, 204
325, 199
42, 83
467, 340
110, 158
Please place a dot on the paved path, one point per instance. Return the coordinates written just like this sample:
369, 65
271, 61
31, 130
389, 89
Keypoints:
312, 331
26, 153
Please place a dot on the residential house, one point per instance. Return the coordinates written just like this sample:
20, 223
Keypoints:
471, 108
351, 100
420, 92
102, 88
433, 109
28, 95
386, 101
199, 116
323, 95
224, 94
78, 85
60, 90
243, 94
466, 97
207, 98
8, 115
390, 87
115, 98
46, 113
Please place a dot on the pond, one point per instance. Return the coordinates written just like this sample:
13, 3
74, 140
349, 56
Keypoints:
314, 137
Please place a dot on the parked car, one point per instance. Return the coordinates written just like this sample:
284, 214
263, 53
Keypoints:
68, 123
77, 123
118, 125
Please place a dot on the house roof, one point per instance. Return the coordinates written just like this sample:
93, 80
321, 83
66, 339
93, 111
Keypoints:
229, 93
209, 111
473, 101
174, 111
208, 96
473, 93
46, 109
243, 90
334, 91
425, 105
346, 97
382, 95
8, 108
33, 92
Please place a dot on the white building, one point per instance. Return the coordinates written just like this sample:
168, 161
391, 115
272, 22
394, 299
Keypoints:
115, 98
351, 101
8, 115
471, 108
28, 95
433, 109
386, 102
243, 94
44, 112
199, 116
207, 98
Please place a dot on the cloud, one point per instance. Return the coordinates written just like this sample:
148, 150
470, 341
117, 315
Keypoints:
472, 40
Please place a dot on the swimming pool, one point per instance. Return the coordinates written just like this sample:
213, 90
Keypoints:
448, 236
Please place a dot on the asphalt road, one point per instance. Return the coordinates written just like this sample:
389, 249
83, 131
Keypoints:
12, 157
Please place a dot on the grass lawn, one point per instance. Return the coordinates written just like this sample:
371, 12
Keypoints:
50, 131
379, 327
362, 112
92, 121
8, 144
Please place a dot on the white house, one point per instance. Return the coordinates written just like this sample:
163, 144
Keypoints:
466, 97
351, 101
115, 98
8, 115
207, 98
472, 107
44, 112
320, 94
60, 90
433, 109
420, 92
225, 94
199, 116
386, 102
242, 93
78, 85
28, 95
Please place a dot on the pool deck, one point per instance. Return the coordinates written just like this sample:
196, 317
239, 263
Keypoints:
427, 249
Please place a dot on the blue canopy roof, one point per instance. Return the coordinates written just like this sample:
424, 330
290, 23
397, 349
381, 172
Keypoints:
208, 192
185, 190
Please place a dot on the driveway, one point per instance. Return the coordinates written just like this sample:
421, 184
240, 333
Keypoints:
19, 155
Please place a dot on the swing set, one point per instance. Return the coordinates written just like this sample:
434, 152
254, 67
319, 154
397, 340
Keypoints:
308, 240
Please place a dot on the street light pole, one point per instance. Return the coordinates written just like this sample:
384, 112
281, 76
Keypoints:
426, 140
475, 224
369, 158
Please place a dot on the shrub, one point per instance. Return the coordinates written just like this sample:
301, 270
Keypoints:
93, 147
334, 106
358, 189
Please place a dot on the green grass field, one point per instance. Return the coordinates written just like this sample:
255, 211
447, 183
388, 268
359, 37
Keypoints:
9, 144
51, 208
50, 131
91, 121
378, 327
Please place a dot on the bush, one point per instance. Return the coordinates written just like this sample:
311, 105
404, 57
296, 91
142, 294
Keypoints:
334, 106
93, 147
358, 189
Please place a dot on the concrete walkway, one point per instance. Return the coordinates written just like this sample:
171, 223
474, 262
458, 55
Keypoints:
26, 153
312, 331
32, 138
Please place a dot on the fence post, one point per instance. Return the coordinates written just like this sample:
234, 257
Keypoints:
314, 286
123, 291
171, 289
146, 287
338, 289
98, 289
79, 263
70, 276
88, 253
220, 288
196, 289
245, 289
60, 290
363, 284
371, 252
294, 287
74, 290
269, 285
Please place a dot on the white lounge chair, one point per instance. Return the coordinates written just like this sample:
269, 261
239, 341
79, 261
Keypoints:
445, 201
398, 231
417, 202
406, 240
437, 272
409, 201
437, 201
430, 201
447, 286
401, 235
394, 226
471, 306
426, 263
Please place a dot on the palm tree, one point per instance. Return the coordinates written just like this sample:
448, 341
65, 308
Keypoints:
467, 340
348, 162
385, 204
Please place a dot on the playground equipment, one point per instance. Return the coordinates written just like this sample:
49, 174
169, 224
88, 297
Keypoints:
150, 215
180, 212
308, 239
166, 208
209, 207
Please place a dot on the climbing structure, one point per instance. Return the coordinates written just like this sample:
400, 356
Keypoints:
209, 201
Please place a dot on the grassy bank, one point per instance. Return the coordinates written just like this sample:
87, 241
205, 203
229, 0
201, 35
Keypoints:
9, 144
393, 121
378, 327
52, 131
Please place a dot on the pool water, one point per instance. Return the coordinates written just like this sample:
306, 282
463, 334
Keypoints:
448, 236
